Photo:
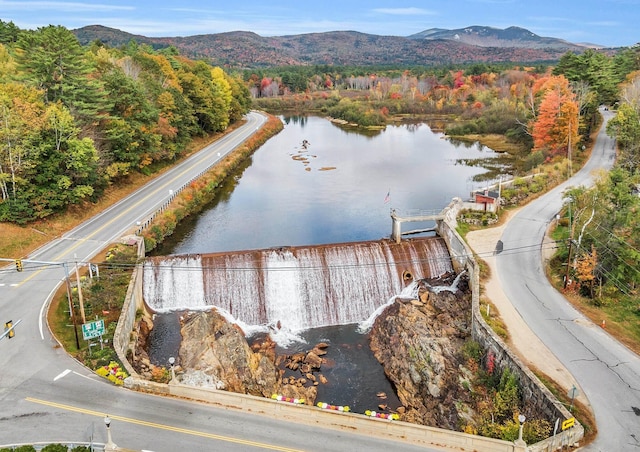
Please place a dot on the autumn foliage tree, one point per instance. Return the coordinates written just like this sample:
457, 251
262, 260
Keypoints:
74, 120
585, 270
555, 127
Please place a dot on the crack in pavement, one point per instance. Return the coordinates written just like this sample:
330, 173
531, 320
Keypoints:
611, 367
539, 300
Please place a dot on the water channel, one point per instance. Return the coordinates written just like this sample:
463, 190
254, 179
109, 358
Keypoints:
317, 182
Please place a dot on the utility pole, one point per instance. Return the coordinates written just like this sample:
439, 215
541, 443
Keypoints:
72, 311
80, 300
566, 277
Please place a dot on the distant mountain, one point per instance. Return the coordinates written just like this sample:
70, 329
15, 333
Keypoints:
241, 49
497, 37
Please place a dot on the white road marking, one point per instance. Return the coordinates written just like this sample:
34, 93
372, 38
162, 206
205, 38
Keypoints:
88, 377
62, 374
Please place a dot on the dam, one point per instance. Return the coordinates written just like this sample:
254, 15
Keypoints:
296, 288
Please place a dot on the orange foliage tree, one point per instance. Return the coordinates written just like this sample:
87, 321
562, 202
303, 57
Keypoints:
555, 128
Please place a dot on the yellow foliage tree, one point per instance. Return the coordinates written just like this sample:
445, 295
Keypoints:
585, 269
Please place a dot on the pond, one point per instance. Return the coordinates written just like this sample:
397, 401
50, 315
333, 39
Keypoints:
317, 182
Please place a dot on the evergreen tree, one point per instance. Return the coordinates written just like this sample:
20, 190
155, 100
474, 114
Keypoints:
51, 59
8, 32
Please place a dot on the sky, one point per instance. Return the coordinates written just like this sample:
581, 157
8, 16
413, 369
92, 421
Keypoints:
610, 23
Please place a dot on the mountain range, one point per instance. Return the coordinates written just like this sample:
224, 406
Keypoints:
242, 49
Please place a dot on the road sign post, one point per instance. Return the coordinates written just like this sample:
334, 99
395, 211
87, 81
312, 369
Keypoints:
92, 329
573, 393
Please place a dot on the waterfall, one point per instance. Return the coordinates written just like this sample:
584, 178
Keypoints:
294, 287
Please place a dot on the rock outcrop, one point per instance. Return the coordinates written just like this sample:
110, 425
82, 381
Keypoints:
218, 350
140, 358
216, 353
418, 343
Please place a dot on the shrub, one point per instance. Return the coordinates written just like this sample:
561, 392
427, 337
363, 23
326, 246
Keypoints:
55, 448
533, 160
160, 375
472, 350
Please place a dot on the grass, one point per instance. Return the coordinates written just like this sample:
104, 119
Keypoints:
491, 315
103, 298
493, 141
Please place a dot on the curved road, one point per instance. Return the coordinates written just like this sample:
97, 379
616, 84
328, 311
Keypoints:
47, 396
608, 373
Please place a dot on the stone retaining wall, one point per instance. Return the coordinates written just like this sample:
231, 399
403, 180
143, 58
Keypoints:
533, 389
123, 336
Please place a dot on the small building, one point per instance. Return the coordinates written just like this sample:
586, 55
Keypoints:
487, 198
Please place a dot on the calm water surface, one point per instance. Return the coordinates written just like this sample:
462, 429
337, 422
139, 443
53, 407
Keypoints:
316, 183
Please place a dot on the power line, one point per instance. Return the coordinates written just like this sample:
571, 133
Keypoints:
419, 261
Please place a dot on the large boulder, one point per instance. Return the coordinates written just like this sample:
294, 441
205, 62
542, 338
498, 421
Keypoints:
417, 342
215, 353
218, 351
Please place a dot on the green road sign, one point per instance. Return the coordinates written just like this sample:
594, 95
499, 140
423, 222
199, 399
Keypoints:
92, 329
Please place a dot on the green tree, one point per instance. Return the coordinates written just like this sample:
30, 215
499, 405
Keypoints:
625, 127
51, 59
21, 118
8, 32
626, 61
209, 94
63, 167
132, 120
7, 65
594, 68
240, 100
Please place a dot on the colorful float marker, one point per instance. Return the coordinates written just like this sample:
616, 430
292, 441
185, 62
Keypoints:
391, 416
326, 406
281, 398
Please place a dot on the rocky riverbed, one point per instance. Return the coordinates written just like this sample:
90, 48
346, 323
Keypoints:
417, 341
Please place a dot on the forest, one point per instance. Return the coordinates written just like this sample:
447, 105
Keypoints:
75, 120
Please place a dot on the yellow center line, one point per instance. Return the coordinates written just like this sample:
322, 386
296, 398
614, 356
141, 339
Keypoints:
162, 426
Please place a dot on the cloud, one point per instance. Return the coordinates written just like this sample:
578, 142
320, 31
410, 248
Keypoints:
412, 11
28, 6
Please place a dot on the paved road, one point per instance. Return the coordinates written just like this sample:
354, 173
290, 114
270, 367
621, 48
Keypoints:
47, 396
608, 373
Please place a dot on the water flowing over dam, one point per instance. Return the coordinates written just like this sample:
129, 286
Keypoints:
294, 287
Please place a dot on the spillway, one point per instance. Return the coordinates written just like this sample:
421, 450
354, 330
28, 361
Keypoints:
294, 287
